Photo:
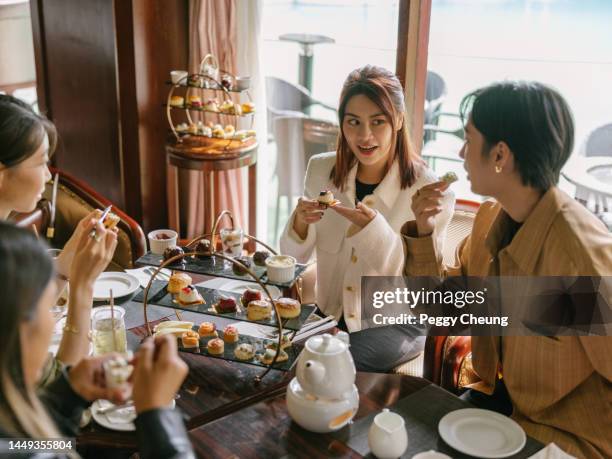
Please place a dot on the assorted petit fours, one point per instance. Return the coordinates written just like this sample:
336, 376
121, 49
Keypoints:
244, 351
226, 304
182, 127
326, 198
268, 356
172, 252
190, 339
259, 310
230, 334
189, 296
174, 327
196, 81
226, 106
202, 249
194, 101
117, 372
178, 281
238, 269
449, 177
229, 130
248, 107
288, 308
216, 346
207, 330
212, 105
250, 294
177, 101
111, 220
193, 129
285, 343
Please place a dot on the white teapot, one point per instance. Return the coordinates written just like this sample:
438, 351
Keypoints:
325, 368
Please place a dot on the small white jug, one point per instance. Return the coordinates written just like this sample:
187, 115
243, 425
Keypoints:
387, 437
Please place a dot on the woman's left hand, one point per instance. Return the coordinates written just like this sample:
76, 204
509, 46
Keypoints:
87, 379
65, 258
360, 216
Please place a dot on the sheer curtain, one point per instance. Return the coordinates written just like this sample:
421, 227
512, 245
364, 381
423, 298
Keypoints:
212, 29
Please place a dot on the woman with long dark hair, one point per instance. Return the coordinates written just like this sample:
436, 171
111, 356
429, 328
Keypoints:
26, 142
518, 136
27, 283
373, 174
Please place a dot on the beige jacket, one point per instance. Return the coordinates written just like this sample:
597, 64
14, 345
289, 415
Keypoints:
561, 387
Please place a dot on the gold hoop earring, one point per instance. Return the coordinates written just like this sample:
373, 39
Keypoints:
498, 169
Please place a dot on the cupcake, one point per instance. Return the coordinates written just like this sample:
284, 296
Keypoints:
244, 351
202, 249
177, 101
268, 356
259, 310
260, 257
239, 270
189, 296
173, 252
216, 346
226, 305
178, 281
207, 330
190, 340
288, 308
194, 101
248, 107
250, 295
230, 334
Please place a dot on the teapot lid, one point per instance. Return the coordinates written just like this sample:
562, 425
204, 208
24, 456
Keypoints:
326, 344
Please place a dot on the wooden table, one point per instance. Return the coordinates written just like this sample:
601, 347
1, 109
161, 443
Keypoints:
192, 156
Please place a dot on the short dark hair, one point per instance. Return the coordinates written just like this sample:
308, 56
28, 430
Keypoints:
532, 119
22, 131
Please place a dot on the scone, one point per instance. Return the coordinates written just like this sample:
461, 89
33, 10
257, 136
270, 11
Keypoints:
207, 330
216, 346
178, 281
230, 334
244, 351
259, 310
288, 308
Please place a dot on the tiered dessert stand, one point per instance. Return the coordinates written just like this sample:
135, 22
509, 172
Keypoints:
213, 264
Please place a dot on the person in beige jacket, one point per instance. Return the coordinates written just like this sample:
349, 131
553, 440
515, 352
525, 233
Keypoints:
518, 137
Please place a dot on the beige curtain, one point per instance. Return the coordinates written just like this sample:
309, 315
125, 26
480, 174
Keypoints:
212, 29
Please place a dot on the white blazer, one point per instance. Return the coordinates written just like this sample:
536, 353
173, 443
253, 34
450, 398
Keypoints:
344, 256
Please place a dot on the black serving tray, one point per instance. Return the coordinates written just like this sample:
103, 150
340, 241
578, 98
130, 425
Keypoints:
159, 296
217, 267
258, 343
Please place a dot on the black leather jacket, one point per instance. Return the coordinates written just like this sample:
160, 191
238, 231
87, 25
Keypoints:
160, 432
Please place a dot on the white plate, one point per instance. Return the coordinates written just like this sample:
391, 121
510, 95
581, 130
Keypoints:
482, 433
122, 284
239, 286
122, 419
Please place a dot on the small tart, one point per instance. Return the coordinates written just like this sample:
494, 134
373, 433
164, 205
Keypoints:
268, 356
207, 330
285, 343
190, 339
216, 346
230, 334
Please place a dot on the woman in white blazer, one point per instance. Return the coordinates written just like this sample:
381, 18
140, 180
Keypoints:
373, 174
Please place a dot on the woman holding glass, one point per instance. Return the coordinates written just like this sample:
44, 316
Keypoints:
26, 142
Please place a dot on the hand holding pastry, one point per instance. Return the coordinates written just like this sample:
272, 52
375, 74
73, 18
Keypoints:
158, 373
92, 255
426, 204
65, 258
87, 378
360, 216
307, 212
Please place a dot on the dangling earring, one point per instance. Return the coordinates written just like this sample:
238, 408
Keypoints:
498, 169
